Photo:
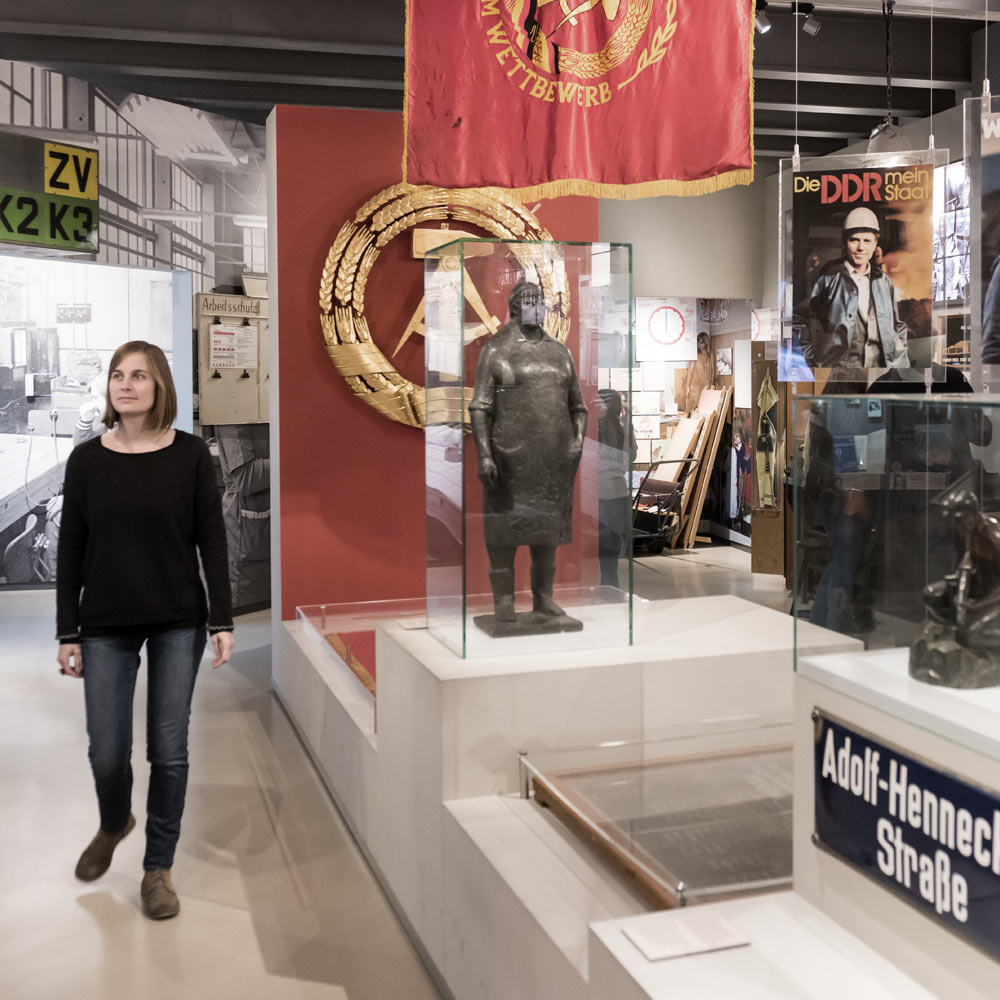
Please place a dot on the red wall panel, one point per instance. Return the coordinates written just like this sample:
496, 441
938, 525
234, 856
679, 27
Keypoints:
352, 481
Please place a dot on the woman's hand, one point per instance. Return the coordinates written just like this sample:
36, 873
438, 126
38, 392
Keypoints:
222, 646
70, 661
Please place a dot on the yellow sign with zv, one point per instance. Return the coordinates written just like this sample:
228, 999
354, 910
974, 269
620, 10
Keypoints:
70, 171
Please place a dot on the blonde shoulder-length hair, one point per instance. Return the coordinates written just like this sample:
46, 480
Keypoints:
164, 410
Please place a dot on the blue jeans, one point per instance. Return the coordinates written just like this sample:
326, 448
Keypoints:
110, 666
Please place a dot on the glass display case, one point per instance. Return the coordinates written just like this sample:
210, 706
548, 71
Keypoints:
897, 530
528, 457
680, 823
345, 633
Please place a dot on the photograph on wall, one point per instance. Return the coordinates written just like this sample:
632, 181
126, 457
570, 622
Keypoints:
696, 376
729, 500
646, 427
862, 242
723, 361
951, 271
740, 472
666, 329
60, 322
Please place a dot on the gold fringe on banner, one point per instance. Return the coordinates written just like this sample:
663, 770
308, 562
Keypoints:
630, 192
753, 35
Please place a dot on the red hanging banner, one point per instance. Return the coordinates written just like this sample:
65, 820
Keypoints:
607, 98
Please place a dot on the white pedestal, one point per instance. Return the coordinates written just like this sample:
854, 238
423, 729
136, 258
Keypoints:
952, 731
499, 897
794, 951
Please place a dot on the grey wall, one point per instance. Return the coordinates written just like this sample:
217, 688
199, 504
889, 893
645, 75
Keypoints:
709, 245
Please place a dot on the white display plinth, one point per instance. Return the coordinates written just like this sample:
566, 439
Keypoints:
881, 678
794, 951
480, 881
953, 731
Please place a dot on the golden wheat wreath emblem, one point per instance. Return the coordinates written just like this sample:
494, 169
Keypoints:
550, 52
367, 371
585, 65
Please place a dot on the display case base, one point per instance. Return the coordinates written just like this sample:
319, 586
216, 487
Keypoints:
663, 826
955, 732
527, 623
476, 882
792, 951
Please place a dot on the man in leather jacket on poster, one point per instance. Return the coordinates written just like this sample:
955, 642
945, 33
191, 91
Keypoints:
851, 318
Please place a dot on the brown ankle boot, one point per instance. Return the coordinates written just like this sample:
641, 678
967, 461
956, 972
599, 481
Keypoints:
159, 901
97, 855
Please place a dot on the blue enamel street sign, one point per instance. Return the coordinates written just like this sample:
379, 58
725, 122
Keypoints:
926, 835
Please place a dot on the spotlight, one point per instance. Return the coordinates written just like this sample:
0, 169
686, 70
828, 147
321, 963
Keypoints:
811, 24
761, 21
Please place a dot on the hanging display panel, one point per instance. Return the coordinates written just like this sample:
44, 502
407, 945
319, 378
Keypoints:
857, 241
981, 335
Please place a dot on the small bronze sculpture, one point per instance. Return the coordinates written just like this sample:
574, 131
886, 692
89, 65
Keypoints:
959, 645
528, 422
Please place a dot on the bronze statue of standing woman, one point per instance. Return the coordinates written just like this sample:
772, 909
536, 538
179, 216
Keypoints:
528, 422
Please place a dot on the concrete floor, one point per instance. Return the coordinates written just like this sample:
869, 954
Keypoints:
277, 901
705, 572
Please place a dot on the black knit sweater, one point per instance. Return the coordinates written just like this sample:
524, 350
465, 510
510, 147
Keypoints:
132, 528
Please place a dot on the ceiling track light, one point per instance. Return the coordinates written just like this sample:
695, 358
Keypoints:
811, 23
760, 18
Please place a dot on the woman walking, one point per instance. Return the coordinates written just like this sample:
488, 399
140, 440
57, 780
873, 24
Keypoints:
140, 505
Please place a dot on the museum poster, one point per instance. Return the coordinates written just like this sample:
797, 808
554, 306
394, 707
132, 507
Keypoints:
861, 270
919, 832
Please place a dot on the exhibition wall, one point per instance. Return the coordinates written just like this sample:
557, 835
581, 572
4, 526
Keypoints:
351, 481
709, 245
181, 192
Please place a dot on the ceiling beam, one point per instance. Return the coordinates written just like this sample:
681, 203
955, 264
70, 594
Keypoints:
908, 115
248, 76
811, 133
954, 10
778, 154
860, 79
213, 41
